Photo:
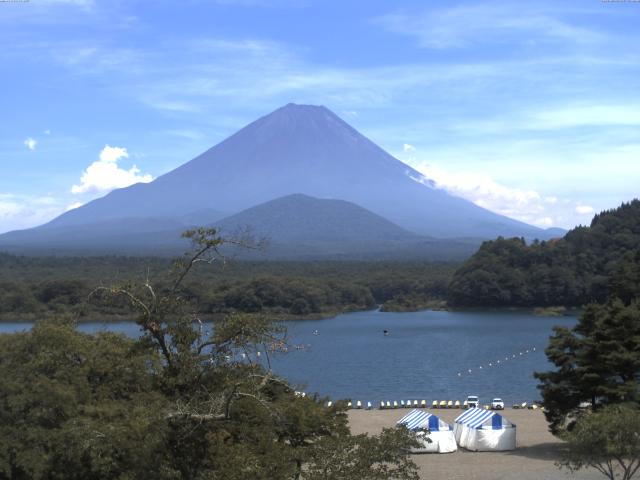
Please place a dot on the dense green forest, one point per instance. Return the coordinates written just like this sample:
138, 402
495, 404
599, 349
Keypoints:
585, 266
174, 404
31, 287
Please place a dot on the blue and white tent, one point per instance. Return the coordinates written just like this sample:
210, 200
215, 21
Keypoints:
429, 426
484, 431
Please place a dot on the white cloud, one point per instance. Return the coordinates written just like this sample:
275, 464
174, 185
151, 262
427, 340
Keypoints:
522, 204
74, 205
481, 189
105, 174
408, 148
30, 143
587, 115
47, 132
584, 209
113, 154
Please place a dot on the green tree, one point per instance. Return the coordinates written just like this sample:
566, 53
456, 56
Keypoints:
185, 401
78, 406
598, 361
607, 440
589, 264
362, 457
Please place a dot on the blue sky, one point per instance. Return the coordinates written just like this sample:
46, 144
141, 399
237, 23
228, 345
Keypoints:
529, 108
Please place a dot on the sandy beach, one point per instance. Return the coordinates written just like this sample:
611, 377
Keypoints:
532, 460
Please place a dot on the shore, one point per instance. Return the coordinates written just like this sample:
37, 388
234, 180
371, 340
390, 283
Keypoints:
532, 460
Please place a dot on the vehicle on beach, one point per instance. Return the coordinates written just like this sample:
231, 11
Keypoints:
497, 404
473, 401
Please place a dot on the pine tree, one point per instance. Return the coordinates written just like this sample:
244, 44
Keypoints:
598, 361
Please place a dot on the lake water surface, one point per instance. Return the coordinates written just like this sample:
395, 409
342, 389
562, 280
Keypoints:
427, 355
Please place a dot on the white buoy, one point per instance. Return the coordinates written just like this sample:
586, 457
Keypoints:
469, 370
490, 365
459, 374
480, 367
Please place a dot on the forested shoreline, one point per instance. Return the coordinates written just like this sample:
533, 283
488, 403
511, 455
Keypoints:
585, 266
32, 287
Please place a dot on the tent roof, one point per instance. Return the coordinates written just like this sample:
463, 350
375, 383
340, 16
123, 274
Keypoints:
466, 415
477, 418
421, 419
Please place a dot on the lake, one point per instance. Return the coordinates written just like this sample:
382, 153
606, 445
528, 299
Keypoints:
426, 355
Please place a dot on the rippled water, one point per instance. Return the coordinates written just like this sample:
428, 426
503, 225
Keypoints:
421, 358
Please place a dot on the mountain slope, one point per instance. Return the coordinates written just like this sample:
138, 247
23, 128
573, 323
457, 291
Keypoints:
300, 218
298, 226
302, 149
295, 227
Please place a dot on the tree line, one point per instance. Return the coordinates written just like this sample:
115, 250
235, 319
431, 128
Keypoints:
31, 287
588, 265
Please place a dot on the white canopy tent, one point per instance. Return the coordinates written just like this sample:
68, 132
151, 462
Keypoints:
427, 425
484, 431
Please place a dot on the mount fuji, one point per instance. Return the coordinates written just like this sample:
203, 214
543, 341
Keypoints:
297, 149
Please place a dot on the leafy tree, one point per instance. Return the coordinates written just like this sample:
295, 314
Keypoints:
78, 406
598, 361
607, 440
184, 401
362, 457
589, 264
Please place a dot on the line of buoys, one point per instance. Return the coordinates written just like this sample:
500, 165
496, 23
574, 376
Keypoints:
439, 404
388, 405
498, 362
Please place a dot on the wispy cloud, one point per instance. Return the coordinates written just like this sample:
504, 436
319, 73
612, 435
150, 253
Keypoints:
25, 211
470, 25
